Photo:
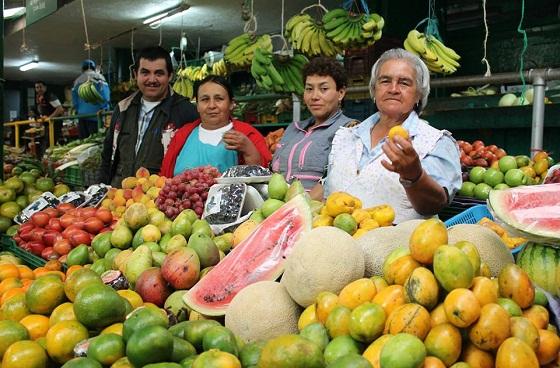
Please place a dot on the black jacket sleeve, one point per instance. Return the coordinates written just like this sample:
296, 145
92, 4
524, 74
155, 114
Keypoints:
186, 112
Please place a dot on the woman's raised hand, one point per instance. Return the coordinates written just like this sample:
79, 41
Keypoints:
403, 158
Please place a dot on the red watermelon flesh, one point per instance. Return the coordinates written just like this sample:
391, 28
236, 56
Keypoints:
260, 257
532, 209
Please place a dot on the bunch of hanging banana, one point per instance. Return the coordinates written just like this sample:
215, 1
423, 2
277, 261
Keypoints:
438, 57
240, 50
87, 91
194, 73
309, 36
352, 31
183, 85
219, 68
264, 71
291, 72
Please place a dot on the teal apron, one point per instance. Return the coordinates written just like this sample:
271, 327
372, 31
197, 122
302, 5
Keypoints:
195, 154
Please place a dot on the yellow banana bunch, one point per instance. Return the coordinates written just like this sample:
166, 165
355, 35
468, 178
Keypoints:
240, 50
219, 68
352, 31
87, 91
309, 36
183, 85
438, 57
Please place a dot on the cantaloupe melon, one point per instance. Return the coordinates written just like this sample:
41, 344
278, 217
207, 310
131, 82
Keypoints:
407, 227
492, 249
324, 259
378, 243
262, 311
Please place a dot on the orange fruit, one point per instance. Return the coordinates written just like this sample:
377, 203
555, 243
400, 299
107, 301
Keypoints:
15, 308
25, 272
9, 283
45, 294
356, 293
10, 293
64, 312
133, 297
61, 339
384, 215
28, 354
540, 166
36, 324
541, 155
307, 317
10, 332
398, 130
53, 265
72, 269
8, 270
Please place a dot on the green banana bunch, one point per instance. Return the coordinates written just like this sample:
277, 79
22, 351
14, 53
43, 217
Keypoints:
240, 50
309, 36
352, 31
219, 68
88, 92
290, 70
183, 85
264, 71
438, 57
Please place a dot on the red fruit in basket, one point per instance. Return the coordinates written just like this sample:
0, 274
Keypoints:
79, 223
62, 258
104, 215
37, 234
500, 153
467, 161
67, 220
65, 207
52, 212
50, 237
487, 155
26, 227
105, 229
54, 224
17, 239
87, 212
25, 246
480, 162
48, 253
26, 235
36, 247
62, 246
477, 144
467, 147
40, 219
492, 148
93, 225
80, 237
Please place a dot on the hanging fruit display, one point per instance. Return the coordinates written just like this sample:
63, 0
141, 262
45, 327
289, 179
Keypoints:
240, 50
438, 57
348, 30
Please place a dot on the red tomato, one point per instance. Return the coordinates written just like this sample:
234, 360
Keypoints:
67, 220
93, 225
492, 148
25, 246
467, 147
80, 237
48, 253
500, 153
26, 235
65, 207
17, 239
480, 162
52, 212
87, 212
26, 227
105, 229
62, 246
54, 224
104, 215
478, 143
37, 234
40, 219
36, 247
50, 237
70, 230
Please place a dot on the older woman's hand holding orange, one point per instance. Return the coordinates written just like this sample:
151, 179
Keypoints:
403, 158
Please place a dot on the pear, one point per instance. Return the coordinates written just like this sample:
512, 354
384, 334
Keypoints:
205, 248
121, 237
139, 261
175, 242
181, 225
295, 188
270, 205
277, 187
202, 227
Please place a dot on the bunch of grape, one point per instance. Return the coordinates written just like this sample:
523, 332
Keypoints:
186, 190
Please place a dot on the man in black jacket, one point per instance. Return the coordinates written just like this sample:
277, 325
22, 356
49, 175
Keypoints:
143, 124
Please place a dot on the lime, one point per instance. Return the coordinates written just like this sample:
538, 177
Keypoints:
346, 222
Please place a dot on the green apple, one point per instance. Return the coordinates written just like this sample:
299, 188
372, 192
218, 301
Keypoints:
476, 175
522, 160
515, 177
493, 177
501, 186
482, 190
507, 163
467, 189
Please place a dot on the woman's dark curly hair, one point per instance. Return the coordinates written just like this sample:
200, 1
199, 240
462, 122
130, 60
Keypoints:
326, 66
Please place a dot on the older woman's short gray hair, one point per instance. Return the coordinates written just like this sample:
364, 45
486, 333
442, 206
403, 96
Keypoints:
422, 73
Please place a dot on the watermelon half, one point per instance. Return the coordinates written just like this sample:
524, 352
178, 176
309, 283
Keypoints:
534, 211
542, 264
260, 257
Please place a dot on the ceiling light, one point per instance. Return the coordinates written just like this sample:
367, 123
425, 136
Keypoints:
158, 18
31, 65
14, 12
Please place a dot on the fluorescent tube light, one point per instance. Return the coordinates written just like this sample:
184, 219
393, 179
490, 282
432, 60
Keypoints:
156, 17
14, 12
29, 66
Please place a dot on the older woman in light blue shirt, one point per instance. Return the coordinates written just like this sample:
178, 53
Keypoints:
417, 176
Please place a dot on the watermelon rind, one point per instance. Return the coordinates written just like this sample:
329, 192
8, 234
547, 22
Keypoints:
541, 264
544, 214
245, 264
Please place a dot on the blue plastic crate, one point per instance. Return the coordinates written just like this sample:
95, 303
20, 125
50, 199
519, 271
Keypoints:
471, 216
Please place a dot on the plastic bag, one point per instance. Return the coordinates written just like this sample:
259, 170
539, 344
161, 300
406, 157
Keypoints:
245, 174
553, 175
45, 200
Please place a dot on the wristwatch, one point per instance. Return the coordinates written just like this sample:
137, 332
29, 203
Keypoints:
406, 183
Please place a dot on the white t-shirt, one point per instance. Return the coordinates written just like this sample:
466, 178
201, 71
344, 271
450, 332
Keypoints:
212, 137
